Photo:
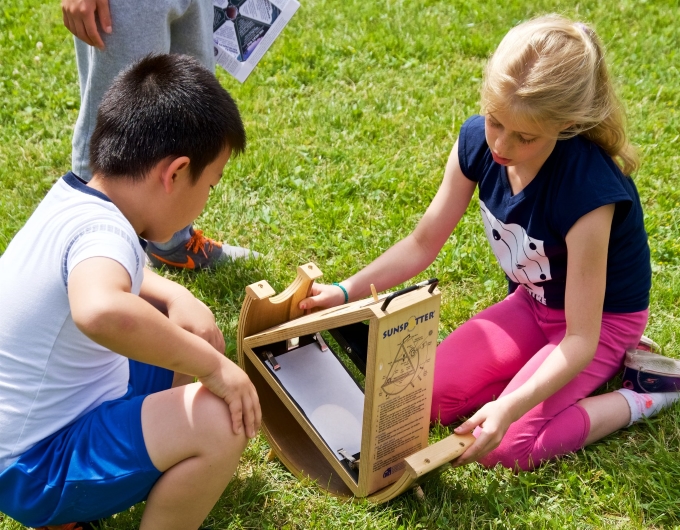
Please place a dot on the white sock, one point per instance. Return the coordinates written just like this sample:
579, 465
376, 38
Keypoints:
647, 405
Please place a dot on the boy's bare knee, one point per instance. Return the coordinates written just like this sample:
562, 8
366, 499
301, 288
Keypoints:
189, 422
213, 418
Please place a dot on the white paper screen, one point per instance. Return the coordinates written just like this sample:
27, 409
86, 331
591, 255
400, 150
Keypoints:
326, 393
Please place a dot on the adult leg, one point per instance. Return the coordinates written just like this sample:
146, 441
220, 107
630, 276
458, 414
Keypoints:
137, 32
475, 362
191, 32
561, 424
187, 432
163, 26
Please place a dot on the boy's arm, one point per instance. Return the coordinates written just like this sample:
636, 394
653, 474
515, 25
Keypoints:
79, 18
181, 307
105, 310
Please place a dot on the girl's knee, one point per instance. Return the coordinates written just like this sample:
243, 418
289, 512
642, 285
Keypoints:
446, 406
453, 401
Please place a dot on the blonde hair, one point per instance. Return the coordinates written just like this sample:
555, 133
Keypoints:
550, 69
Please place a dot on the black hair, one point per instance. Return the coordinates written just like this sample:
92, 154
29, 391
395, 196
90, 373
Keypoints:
164, 106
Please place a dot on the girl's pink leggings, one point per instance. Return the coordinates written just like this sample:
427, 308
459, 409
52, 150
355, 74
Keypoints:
497, 350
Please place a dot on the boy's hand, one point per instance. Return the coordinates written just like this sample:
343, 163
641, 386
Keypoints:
191, 314
323, 296
79, 19
232, 384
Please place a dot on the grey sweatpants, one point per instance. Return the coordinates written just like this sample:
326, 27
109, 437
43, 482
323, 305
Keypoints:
140, 27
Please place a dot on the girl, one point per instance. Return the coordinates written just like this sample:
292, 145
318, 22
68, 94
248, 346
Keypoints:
551, 159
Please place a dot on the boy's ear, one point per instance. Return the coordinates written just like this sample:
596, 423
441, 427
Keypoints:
173, 170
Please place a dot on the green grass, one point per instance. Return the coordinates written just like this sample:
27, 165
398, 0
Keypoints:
350, 117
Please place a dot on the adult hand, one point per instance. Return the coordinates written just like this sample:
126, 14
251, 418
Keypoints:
232, 384
494, 420
189, 313
80, 19
323, 296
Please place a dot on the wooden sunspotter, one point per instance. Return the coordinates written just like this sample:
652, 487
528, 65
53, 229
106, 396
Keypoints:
354, 442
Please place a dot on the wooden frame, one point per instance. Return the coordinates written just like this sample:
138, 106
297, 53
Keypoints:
402, 340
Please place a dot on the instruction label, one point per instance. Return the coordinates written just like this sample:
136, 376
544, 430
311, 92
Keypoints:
401, 389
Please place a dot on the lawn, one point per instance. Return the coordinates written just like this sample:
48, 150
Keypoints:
350, 118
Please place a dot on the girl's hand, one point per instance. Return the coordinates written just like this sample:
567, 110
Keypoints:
232, 384
189, 313
323, 296
494, 420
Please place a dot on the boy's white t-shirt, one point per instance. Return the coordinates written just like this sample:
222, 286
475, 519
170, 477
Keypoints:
50, 372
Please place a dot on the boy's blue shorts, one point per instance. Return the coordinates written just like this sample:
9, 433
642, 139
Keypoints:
94, 467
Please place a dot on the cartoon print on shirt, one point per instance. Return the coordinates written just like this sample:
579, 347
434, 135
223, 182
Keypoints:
521, 257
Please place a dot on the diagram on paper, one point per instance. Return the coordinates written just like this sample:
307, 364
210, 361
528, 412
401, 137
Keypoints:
243, 30
409, 361
240, 25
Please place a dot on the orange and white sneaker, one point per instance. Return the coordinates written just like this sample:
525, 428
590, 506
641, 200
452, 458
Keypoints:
198, 252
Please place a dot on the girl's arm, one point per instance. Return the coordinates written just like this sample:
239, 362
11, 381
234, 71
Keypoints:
587, 246
415, 252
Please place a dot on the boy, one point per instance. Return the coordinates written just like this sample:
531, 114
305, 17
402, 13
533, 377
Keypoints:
85, 318
109, 37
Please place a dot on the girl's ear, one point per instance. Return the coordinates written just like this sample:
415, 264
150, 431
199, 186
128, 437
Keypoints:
567, 126
172, 171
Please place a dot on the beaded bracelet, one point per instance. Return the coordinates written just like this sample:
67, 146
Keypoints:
344, 291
